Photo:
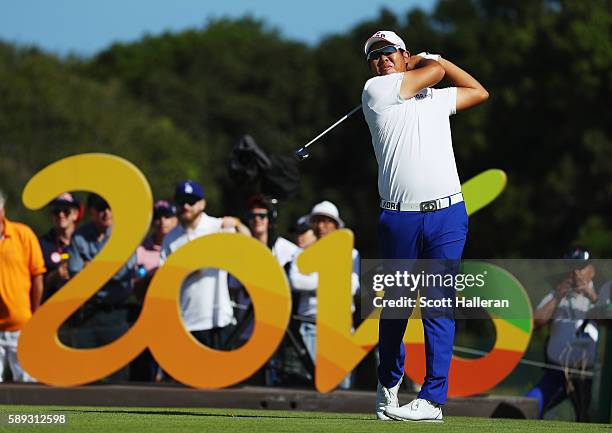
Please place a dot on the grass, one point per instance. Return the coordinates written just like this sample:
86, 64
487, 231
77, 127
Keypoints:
151, 420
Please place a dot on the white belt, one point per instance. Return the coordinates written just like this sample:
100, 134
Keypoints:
424, 206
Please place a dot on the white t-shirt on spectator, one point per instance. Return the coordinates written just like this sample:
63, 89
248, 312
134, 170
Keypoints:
205, 301
284, 251
306, 285
412, 140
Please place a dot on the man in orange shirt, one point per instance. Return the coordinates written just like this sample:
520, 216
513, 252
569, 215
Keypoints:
21, 284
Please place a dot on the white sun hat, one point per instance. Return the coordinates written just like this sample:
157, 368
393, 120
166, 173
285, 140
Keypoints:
328, 209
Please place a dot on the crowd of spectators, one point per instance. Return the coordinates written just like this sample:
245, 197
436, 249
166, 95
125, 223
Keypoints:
215, 307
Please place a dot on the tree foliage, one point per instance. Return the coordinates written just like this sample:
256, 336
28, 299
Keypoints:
175, 103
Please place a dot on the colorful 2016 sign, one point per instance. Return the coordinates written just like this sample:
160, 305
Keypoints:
160, 326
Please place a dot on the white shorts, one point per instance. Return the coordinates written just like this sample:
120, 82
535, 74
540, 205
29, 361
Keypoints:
8, 357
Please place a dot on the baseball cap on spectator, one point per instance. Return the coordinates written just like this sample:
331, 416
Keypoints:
188, 188
97, 202
577, 254
328, 209
162, 208
66, 199
302, 225
384, 35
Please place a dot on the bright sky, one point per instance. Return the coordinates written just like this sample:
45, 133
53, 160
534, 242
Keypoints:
87, 26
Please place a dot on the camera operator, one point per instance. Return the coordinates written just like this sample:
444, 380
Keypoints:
572, 341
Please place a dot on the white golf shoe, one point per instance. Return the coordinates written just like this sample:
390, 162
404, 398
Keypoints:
386, 398
417, 410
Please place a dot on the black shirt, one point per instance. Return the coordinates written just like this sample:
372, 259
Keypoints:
50, 245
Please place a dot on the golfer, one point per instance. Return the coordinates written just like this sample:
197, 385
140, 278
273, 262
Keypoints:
422, 211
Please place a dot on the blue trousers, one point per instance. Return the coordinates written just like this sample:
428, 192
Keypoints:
421, 235
555, 386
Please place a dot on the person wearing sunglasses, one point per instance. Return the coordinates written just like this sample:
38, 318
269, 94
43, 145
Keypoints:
144, 368
65, 213
324, 218
205, 303
149, 251
261, 216
422, 213
105, 316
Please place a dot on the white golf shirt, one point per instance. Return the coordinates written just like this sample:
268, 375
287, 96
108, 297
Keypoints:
411, 140
205, 301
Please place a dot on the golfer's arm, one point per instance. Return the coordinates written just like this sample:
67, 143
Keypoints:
428, 73
469, 91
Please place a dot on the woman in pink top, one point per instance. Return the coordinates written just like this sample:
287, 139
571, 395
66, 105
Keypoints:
147, 254
144, 368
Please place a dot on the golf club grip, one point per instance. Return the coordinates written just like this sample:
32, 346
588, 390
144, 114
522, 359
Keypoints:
339, 121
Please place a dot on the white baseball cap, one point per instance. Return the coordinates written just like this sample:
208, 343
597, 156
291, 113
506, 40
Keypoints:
328, 209
384, 35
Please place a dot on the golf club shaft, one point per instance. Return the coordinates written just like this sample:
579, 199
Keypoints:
339, 121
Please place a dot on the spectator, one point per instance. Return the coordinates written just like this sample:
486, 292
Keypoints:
65, 213
144, 368
104, 317
304, 235
205, 302
261, 216
572, 341
21, 285
325, 219
149, 252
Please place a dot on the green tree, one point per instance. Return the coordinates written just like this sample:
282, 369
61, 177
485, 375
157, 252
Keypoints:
48, 112
175, 104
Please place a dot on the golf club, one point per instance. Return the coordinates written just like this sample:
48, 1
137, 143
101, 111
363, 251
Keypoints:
302, 153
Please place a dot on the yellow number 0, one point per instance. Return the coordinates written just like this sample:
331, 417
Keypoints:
159, 326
